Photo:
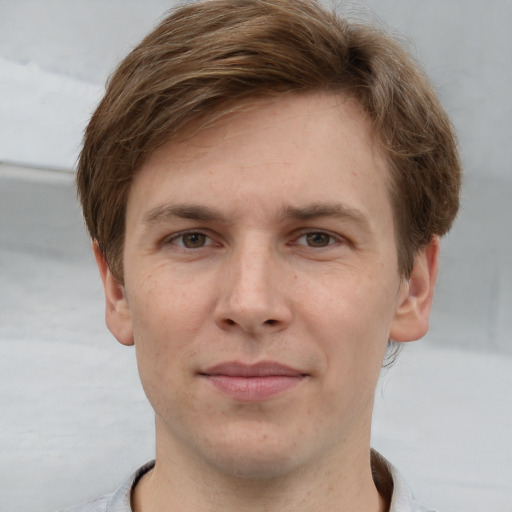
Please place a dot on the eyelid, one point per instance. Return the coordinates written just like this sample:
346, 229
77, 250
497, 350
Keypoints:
170, 239
336, 238
311, 231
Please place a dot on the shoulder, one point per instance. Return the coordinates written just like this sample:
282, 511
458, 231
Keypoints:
96, 505
393, 486
116, 501
403, 499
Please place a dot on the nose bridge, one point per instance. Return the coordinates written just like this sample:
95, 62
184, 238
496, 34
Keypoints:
253, 292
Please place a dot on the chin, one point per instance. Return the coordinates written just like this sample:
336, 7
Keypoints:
262, 455
262, 465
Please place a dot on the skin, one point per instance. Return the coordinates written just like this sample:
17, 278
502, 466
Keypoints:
267, 238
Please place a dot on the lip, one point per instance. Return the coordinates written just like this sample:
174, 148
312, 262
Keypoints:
252, 382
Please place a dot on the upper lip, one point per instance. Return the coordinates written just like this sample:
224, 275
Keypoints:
261, 369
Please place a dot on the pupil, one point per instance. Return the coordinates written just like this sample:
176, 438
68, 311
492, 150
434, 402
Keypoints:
194, 240
318, 239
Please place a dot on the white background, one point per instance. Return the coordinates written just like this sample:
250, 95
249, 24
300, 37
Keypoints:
73, 419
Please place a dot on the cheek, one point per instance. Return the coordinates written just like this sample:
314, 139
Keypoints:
168, 309
351, 323
167, 318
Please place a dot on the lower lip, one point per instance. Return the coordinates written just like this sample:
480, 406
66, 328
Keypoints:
253, 389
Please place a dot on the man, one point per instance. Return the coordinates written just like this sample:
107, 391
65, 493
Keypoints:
265, 185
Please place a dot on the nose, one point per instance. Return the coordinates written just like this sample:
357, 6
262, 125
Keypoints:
253, 293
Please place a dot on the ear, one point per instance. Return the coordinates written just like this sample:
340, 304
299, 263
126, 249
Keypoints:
117, 311
412, 315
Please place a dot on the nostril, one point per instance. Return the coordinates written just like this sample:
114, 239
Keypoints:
248, 325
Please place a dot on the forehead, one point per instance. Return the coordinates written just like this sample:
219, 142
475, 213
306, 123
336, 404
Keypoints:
287, 152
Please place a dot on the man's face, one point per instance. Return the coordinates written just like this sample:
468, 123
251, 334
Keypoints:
261, 286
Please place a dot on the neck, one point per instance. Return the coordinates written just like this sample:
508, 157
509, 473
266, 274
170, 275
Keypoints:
338, 482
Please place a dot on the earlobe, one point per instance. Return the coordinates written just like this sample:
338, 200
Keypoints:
412, 315
117, 311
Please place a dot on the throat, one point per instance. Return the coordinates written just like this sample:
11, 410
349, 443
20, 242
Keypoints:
152, 492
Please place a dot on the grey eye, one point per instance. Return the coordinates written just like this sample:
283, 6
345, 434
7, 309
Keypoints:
192, 240
318, 239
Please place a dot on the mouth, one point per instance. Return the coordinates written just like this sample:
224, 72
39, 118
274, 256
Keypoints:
254, 382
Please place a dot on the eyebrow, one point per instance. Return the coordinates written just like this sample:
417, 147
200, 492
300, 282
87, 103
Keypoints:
163, 213
334, 210
312, 211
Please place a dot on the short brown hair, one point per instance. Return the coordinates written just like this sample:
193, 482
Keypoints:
211, 57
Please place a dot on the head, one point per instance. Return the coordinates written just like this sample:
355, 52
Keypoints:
208, 59
265, 184
261, 286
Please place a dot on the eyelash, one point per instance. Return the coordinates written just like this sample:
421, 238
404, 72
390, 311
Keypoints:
174, 238
332, 239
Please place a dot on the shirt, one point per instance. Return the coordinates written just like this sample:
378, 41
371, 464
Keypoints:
387, 479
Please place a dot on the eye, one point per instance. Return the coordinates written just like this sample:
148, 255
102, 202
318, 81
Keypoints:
316, 239
192, 240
